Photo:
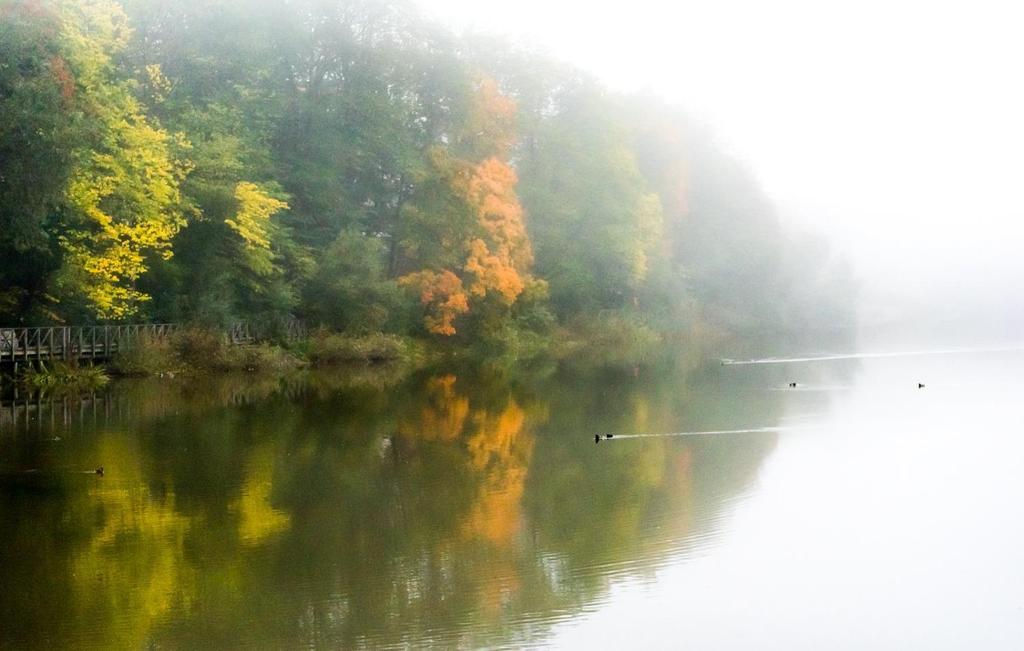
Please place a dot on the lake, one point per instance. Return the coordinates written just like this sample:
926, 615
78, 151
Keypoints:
469, 508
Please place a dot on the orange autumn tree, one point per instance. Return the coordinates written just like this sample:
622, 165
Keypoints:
443, 296
499, 260
493, 249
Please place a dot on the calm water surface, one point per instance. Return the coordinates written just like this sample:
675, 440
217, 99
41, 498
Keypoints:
465, 508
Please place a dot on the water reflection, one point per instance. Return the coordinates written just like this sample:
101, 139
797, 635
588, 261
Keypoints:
350, 510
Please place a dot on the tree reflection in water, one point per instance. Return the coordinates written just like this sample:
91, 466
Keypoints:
455, 508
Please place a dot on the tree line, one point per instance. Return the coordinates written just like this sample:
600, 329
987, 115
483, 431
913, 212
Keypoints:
351, 163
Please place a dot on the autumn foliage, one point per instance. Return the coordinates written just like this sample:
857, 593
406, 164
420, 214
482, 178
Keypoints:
347, 164
499, 262
497, 247
442, 295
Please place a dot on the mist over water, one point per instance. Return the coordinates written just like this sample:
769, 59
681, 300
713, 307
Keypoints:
869, 355
887, 524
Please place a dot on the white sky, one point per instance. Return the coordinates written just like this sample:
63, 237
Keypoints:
896, 127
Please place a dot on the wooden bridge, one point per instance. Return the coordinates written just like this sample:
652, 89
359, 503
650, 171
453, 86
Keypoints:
26, 345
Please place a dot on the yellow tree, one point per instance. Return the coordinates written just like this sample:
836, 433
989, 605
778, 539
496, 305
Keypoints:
125, 188
252, 224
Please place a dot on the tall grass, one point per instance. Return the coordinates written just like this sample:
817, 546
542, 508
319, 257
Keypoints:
146, 355
259, 357
199, 350
326, 348
69, 376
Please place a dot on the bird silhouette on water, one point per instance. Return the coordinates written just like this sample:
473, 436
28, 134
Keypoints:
597, 437
920, 386
792, 385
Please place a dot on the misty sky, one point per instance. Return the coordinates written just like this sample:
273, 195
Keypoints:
897, 128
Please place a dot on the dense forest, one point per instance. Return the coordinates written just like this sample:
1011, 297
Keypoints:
354, 165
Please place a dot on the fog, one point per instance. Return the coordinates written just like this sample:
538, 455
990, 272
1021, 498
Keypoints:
892, 128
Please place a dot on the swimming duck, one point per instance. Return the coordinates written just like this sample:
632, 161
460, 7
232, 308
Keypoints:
792, 385
920, 386
597, 438
99, 471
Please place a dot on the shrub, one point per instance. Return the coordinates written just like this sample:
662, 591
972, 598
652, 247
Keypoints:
200, 348
611, 339
325, 348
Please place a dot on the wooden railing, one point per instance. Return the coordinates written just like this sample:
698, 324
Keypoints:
249, 332
101, 342
73, 342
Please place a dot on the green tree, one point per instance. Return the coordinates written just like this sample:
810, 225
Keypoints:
41, 127
351, 290
594, 220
